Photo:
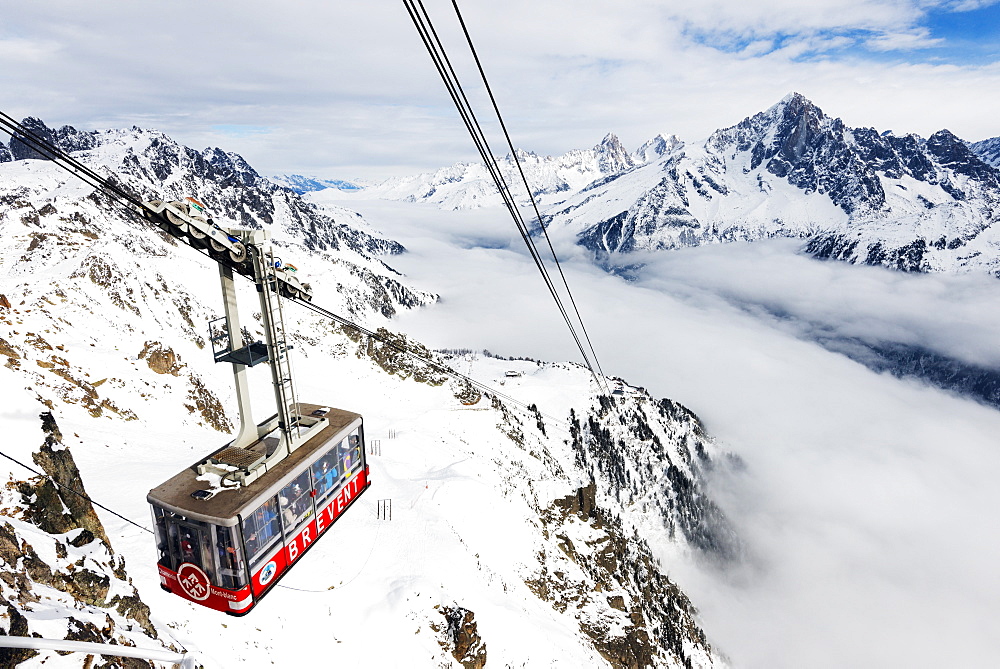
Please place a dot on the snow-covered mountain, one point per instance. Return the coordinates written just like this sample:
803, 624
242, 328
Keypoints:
153, 165
469, 186
853, 194
988, 150
303, 184
531, 532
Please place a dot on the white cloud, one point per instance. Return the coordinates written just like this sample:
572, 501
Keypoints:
866, 501
16, 50
349, 91
903, 41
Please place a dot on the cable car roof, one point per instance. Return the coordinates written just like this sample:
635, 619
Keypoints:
223, 508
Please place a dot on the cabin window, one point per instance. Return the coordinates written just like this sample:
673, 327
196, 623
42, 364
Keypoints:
350, 453
180, 539
325, 473
296, 503
261, 530
231, 566
160, 530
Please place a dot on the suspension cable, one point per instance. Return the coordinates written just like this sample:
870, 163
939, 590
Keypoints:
425, 28
524, 180
86, 174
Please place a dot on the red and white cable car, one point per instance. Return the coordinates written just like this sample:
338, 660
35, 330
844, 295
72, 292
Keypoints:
225, 551
229, 527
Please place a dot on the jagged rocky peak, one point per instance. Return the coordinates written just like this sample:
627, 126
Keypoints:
66, 138
656, 148
796, 141
156, 166
612, 157
786, 128
953, 153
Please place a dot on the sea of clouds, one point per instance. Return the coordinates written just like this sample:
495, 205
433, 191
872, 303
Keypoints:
866, 501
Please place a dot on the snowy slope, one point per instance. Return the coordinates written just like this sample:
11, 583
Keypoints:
535, 524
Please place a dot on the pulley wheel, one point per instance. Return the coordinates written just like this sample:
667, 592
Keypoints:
176, 220
217, 246
238, 253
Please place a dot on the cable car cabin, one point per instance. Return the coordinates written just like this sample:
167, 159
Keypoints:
226, 548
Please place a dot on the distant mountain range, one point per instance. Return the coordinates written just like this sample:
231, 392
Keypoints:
303, 184
988, 150
852, 194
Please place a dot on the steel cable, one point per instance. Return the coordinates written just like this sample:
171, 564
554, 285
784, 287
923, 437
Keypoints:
425, 29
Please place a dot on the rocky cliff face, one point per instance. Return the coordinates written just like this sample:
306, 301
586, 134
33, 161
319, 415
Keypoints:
645, 463
59, 574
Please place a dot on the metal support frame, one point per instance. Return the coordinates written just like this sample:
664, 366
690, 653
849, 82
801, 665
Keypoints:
248, 429
265, 276
244, 459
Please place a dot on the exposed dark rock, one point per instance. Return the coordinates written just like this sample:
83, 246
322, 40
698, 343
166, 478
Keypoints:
135, 609
204, 403
390, 353
161, 359
17, 626
88, 587
49, 499
661, 626
461, 637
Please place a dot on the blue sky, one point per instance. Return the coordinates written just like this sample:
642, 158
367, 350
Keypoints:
347, 91
970, 36
946, 33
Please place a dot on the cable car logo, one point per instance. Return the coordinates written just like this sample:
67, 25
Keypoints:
194, 581
268, 572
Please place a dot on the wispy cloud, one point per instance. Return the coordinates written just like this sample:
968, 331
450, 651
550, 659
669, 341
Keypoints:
918, 38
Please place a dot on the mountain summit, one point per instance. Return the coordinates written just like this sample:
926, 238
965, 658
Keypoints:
854, 194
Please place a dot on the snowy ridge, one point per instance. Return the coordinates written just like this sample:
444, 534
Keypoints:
852, 194
156, 167
988, 150
520, 526
303, 184
469, 186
